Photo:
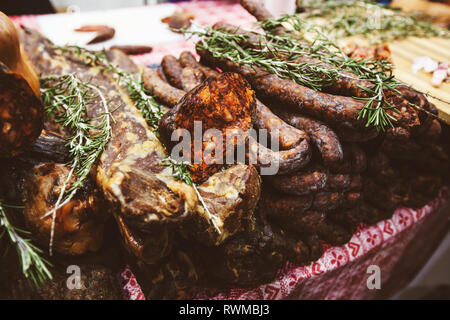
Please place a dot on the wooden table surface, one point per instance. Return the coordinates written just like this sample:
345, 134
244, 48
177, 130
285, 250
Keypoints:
403, 54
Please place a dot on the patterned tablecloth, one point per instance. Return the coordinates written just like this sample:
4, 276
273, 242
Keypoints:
399, 246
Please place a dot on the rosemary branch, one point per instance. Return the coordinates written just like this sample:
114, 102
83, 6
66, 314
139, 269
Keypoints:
377, 22
141, 97
146, 104
34, 267
67, 98
277, 54
180, 172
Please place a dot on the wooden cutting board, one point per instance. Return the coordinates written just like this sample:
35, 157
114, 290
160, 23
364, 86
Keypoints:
403, 54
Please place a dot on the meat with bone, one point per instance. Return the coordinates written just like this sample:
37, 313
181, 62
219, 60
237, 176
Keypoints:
131, 162
78, 224
130, 173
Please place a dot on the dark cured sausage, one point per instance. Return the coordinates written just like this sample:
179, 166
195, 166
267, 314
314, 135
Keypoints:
187, 59
161, 89
191, 78
290, 212
264, 118
355, 160
321, 135
256, 9
172, 70
338, 110
326, 107
349, 84
303, 183
327, 201
21, 114
186, 78
300, 183
285, 161
343, 182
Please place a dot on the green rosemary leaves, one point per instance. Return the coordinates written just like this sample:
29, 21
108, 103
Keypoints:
67, 99
278, 55
142, 98
180, 172
376, 22
34, 266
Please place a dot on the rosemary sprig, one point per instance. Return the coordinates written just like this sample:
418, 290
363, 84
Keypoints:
67, 98
180, 172
147, 105
277, 54
377, 22
142, 98
34, 266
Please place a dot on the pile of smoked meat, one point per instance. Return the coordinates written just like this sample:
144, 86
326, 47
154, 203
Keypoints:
334, 172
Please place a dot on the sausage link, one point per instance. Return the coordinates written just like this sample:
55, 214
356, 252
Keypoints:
321, 135
291, 213
173, 71
327, 201
354, 161
343, 182
264, 118
256, 9
349, 84
334, 233
164, 92
190, 78
276, 205
385, 197
326, 107
351, 200
289, 136
314, 245
187, 59
300, 183
285, 161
